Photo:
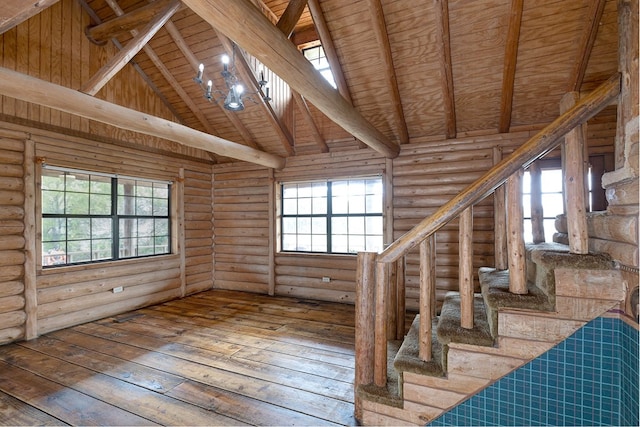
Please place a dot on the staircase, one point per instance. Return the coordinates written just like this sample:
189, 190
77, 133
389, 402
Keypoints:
565, 292
534, 298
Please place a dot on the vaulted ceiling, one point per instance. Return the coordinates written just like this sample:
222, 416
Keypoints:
407, 70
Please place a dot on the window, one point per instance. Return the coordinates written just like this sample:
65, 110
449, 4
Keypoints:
342, 216
91, 217
316, 56
551, 184
552, 201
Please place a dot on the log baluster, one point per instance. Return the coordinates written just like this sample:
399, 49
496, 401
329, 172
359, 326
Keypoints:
465, 242
392, 301
515, 237
381, 301
500, 220
401, 310
537, 214
427, 294
574, 189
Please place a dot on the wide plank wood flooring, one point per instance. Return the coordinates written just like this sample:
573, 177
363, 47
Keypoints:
215, 358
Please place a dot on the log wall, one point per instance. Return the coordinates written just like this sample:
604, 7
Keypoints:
70, 295
301, 275
241, 227
427, 175
12, 243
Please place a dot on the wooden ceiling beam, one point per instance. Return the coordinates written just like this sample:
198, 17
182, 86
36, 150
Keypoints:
509, 67
305, 35
15, 12
101, 33
291, 16
40, 92
308, 118
265, 42
389, 71
443, 37
244, 69
95, 18
286, 24
193, 61
115, 64
586, 45
329, 49
166, 73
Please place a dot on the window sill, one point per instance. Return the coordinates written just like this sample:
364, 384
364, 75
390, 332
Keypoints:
106, 264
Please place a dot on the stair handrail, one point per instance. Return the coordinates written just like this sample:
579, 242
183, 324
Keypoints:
373, 360
536, 147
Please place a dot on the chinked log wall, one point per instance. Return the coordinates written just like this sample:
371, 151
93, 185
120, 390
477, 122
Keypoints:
70, 295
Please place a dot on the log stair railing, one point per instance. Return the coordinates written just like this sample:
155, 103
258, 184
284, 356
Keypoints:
380, 291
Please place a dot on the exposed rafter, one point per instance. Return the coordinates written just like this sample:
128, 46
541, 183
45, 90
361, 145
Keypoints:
586, 44
167, 74
121, 59
380, 29
444, 44
96, 19
264, 41
286, 24
193, 61
40, 92
308, 118
509, 69
101, 33
329, 49
15, 12
291, 16
244, 69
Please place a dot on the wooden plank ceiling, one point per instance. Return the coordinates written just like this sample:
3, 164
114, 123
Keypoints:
407, 70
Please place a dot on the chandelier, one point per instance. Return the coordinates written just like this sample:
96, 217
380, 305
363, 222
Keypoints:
233, 98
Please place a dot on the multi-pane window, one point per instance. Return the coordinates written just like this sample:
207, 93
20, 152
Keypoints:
342, 216
316, 56
90, 217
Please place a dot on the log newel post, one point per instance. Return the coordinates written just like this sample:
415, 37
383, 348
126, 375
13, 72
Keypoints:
364, 323
466, 268
427, 295
574, 178
537, 213
515, 239
381, 301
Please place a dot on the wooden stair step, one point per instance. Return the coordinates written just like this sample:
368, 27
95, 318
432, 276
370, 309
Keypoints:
449, 329
408, 358
495, 291
389, 395
544, 259
476, 363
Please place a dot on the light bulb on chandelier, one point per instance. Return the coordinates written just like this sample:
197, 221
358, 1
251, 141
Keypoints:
235, 95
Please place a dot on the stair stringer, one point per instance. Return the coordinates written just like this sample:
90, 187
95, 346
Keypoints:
523, 335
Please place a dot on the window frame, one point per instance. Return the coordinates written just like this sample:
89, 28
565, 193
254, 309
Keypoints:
328, 215
326, 72
113, 216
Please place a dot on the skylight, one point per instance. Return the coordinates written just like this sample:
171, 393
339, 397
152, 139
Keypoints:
316, 56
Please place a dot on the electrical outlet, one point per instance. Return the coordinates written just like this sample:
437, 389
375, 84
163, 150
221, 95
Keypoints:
326, 279
118, 289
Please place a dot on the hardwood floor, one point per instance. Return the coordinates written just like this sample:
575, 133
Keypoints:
215, 358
